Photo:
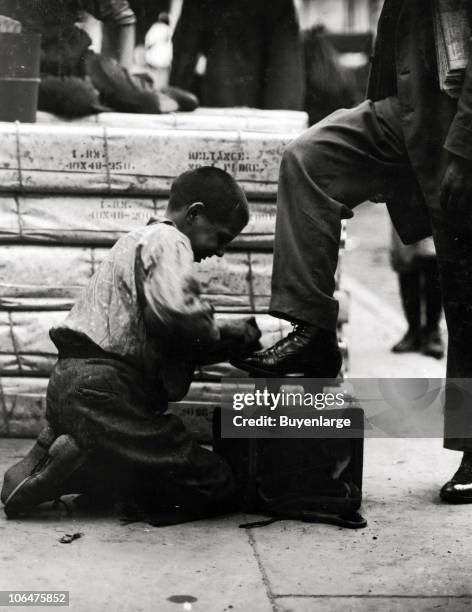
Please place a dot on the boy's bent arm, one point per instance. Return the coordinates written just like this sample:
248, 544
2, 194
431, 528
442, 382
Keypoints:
173, 305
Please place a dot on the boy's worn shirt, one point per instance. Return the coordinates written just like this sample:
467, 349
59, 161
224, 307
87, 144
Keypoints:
148, 274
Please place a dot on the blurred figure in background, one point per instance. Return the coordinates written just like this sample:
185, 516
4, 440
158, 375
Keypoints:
147, 14
158, 50
329, 85
75, 81
420, 293
55, 20
253, 53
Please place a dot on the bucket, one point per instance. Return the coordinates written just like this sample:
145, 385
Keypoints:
19, 76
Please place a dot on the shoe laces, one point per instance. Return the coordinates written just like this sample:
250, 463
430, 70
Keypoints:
295, 328
274, 350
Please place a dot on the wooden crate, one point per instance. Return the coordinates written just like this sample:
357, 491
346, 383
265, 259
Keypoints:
93, 159
51, 278
41, 277
101, 220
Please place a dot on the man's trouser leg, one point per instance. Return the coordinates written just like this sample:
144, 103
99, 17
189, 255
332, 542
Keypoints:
349, 157
115, 415
454, 258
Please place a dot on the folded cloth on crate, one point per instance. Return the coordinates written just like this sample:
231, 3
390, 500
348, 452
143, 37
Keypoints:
94, 159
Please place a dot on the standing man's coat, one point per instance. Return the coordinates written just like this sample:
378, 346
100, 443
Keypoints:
404, 65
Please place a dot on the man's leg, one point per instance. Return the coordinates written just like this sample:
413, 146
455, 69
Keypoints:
454, 257
410, 293
342, 161
433, 344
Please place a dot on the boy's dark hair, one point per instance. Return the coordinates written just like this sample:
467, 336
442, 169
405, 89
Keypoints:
220, 193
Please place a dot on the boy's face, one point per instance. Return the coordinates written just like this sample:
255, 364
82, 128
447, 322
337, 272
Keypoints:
209, 237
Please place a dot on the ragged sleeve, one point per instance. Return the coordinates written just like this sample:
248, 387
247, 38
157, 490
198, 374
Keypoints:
169, 288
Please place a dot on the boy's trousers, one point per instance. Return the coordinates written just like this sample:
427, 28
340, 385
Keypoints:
350, 157
117, 416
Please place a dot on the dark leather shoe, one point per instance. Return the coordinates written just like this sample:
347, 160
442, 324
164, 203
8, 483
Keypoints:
459, 489
38, 477
433, 344
31, 464
410, 343
306, 351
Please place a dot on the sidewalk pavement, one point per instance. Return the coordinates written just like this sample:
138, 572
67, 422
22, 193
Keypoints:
374, 327
414, 554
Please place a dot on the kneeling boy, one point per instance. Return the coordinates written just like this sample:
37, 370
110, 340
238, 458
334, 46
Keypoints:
128, 347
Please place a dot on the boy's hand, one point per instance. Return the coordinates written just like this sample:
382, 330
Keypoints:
238, 337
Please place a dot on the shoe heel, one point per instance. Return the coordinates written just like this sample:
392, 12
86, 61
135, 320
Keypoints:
46, 437
33, 460
71, 454
63, 458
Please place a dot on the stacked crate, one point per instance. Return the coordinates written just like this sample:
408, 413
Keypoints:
70, 191
245, 119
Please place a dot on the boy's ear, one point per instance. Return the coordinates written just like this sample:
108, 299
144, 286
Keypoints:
194, 210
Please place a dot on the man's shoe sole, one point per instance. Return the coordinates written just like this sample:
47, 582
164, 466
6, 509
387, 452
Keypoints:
261, 373
455, 497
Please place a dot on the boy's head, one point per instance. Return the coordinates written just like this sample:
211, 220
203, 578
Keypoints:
209, 207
